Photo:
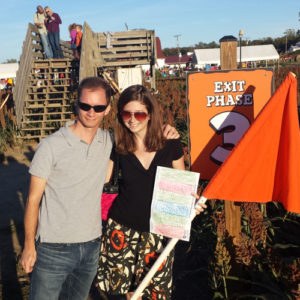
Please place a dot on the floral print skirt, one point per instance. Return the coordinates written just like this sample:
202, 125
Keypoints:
126, 256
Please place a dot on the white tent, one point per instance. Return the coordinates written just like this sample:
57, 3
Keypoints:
8, 70
201, 57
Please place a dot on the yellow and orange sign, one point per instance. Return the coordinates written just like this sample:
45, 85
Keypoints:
221, 107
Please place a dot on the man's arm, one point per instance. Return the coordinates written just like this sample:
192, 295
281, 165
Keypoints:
36, 190
35, 20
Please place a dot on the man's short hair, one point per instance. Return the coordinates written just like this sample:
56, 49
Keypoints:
94, 83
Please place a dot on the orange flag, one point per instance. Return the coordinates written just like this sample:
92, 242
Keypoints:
265, 164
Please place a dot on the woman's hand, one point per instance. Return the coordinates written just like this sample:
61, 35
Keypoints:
170, 132
199, 207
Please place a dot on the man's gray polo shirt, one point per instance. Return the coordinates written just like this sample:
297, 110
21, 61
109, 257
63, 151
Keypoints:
75, 171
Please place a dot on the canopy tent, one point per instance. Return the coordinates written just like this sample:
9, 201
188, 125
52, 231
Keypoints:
8, 70
201, 57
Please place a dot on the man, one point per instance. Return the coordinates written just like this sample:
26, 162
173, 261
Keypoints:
62, 216
39, 21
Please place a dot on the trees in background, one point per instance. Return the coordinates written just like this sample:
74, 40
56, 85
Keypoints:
282, 44
10, 61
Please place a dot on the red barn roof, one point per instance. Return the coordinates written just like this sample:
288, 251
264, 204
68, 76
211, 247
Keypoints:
174, 59
159, 53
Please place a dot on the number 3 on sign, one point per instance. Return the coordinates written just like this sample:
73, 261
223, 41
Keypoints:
221, 123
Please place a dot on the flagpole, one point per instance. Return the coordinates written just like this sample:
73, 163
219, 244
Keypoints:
171, 244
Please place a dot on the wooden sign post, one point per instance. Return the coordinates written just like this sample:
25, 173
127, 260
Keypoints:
222, 105
228, 60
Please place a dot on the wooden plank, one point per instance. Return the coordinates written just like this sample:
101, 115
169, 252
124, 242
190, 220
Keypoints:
49, 105
126, 63
22, 76
37, 54
35, 38
32, 28
126, 42
126, 48
124, 55
45, 121
37, 47
90, 54
5, 100
40, 128
127, 34
48, 82
47, 113
35, 88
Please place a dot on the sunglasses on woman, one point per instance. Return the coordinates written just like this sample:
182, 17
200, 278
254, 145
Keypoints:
87, 107
138, 115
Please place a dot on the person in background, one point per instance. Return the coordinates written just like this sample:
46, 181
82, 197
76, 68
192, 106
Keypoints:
78, 39
39, 22
73, 34
52, 22
2, 84
9, 83
128, 249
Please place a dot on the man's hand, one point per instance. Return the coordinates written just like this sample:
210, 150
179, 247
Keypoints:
36, 190
28, 259
170, 132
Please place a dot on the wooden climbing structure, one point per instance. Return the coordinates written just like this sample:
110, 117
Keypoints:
110, 51
48, 104
43, 94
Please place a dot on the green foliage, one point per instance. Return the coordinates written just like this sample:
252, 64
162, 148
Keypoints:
7, 135
181, 127
271, 270
10, 61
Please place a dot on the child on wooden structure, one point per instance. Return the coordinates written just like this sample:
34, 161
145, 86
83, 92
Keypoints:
73, 35
78, 39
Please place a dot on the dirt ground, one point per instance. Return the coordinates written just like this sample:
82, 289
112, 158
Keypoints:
14, 182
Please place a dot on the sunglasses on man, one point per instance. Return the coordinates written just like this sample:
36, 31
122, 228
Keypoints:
87, 107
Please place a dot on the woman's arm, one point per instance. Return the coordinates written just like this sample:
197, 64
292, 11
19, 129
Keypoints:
109, 171
179, 164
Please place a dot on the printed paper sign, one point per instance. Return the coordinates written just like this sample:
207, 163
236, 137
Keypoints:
172, 202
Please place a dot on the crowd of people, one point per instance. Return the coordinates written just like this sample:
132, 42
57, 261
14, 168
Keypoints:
63, 228
47, 23
6, 84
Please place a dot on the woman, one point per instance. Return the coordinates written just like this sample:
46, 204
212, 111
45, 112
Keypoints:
52, 22
128, 248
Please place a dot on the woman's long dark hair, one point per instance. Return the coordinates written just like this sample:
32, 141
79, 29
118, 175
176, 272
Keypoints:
124, 138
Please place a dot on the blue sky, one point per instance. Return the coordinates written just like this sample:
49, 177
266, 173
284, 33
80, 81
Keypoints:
194, 20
